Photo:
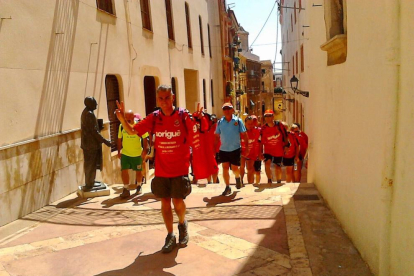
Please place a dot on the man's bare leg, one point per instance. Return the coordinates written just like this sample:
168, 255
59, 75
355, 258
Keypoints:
167, 214
278, 170
289, 174
226, 175
268, 170
180, 208
298, 173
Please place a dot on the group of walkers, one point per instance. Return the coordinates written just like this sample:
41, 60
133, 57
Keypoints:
180, 138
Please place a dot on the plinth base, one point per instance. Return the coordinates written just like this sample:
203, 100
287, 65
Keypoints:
101, 190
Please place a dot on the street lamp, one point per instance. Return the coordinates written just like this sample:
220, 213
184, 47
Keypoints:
294, 83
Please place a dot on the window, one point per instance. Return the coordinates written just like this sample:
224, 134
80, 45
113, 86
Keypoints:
300, 5
336, 31
201, 35
174, 90
293, 65
204, 94
297, 61
112, 95
187, 20
106, 6
291, 21
145, 15
170, 26
302, 59
212, 93
209, 40
294, 10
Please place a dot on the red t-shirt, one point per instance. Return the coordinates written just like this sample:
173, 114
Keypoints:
254, 145
199, 143
272, 140
172, 153
302, 142
290, 152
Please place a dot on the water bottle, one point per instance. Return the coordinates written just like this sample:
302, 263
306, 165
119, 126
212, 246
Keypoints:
295, 167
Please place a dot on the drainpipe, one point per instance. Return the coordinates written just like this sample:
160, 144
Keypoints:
130, 44
392, 62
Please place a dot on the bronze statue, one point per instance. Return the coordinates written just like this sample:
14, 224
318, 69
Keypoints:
91, 144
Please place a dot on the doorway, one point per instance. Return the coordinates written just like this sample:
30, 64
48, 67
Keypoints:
150, 94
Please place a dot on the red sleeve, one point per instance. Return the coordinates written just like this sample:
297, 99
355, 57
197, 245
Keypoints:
145, 125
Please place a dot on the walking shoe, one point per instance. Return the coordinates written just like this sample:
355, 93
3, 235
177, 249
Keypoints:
138, 189
227, 191
125, 193
238, 183
183, 234
269, 181
170, 244
279, 181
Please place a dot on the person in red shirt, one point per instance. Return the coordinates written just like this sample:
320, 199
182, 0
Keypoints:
253, 135
170, 126
210, 149
273, 143
291, 154
303, 141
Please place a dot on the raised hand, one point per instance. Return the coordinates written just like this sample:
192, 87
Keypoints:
199, 111
120, 111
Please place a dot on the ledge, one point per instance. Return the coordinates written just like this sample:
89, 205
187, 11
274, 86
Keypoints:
336, 48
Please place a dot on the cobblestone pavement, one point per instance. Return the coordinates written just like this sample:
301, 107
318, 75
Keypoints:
254, 231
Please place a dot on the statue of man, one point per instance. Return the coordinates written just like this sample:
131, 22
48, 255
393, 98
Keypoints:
91, 143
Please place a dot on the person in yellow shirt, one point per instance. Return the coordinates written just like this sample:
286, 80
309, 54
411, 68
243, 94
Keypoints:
132, 154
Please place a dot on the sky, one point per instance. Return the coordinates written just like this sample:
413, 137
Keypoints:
252, 15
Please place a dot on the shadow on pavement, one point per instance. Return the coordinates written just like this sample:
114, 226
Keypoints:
107, 203
153, 264
262, 187
213, 201
144, 198
71, 202
117, 190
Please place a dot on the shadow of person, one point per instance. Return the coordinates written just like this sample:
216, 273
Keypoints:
262, 187
117, 190
153, 264
215, 200
145, 197
71, 202
107, 203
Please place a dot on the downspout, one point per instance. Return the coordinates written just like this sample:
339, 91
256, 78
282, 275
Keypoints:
392, 62
130, 44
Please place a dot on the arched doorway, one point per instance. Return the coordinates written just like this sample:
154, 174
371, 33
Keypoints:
150, 94
112, 95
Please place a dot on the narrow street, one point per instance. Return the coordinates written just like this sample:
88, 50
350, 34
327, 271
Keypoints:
267, 230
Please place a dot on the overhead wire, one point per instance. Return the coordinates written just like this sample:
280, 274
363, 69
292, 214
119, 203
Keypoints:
264, 24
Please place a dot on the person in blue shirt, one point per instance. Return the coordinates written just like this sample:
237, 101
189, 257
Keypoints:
228, 131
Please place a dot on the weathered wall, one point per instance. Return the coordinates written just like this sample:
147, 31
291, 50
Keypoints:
359, 144
53, 54
402, 223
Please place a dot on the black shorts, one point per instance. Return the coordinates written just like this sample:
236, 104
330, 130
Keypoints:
257, 166
233, 157
275, 159
171, 187
287, 162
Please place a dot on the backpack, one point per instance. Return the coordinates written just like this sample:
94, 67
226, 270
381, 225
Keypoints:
282, 130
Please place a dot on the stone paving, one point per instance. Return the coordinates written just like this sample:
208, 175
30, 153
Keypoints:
254, 231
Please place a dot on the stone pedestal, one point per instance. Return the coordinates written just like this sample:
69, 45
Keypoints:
99, 189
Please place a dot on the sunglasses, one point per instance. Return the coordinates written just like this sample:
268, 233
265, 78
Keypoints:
227, 108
